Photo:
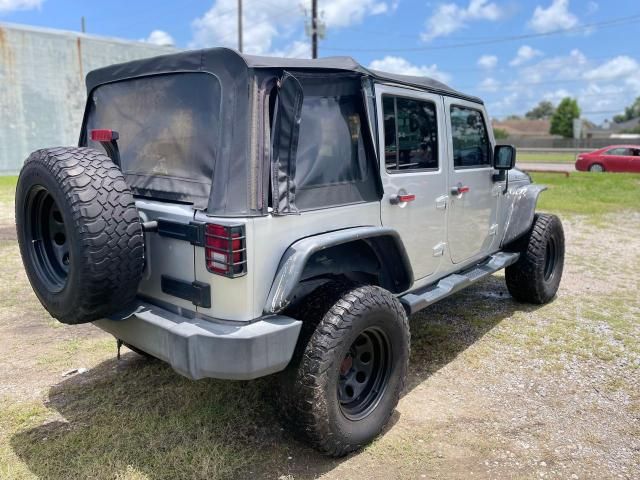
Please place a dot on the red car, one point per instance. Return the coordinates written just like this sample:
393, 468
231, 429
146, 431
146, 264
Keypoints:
615, 158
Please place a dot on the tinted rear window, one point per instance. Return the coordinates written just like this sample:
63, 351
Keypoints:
168, 126
334, 163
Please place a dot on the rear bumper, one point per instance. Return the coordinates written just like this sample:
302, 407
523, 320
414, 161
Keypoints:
199, 348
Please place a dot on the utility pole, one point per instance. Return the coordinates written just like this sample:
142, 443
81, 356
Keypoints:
240, 26
314, 28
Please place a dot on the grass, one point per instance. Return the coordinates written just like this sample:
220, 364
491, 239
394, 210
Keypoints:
545, 157
7, 188
147, 423
584, 193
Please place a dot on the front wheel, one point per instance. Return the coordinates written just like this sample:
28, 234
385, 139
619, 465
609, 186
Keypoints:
535, 277
596, 167
346, 381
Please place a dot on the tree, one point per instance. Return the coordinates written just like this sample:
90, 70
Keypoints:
631, 112
544, 109
500, 133
562, 119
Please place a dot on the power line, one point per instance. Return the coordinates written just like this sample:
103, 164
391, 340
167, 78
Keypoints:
605, 24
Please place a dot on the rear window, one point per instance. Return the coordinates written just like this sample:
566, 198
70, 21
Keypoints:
331, 148
168, 127
334, 163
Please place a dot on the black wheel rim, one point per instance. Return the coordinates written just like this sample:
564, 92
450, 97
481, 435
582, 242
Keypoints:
364, 374
551, 258
47, 240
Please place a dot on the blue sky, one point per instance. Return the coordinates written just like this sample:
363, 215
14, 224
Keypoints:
511, 53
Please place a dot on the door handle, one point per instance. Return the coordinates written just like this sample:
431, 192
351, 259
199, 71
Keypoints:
401, 198
460, 189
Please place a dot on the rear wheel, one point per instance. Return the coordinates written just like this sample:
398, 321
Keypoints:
349, 369
596, 167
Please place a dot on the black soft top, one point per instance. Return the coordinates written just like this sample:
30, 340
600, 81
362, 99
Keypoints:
214, 59
203, 148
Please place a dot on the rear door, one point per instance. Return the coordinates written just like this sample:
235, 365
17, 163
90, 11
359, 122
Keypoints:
413, 173
473, 212
617, 159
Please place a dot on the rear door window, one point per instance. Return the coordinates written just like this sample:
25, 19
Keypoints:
619, 151
471, 145
410, 134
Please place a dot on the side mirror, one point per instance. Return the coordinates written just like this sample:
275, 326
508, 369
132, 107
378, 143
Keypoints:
504, 157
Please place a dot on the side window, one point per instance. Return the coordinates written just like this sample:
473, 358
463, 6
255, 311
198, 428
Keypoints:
410, 134
471, 146
618, 151
331, 146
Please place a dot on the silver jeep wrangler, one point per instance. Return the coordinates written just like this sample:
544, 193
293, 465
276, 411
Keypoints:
238, 216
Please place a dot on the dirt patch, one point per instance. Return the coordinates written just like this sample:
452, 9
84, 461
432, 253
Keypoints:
496, 390
7, 233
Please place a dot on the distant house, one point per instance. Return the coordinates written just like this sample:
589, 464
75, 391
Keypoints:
615, 130
525, 128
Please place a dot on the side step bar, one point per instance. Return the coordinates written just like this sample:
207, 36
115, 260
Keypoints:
422, 298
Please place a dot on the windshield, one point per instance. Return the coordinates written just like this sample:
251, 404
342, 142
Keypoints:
168, 127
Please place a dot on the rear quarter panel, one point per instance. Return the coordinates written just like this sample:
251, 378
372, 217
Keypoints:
268, 237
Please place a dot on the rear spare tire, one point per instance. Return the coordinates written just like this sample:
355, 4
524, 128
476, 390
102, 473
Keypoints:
79, 233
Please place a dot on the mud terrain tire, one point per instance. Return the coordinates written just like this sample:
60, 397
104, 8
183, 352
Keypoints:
340, 328
79, 233
535, 277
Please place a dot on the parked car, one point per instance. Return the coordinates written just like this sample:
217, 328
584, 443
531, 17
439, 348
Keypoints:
615, 158
240, 216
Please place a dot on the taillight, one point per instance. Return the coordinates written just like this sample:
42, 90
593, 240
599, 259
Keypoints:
225, 250
102, 135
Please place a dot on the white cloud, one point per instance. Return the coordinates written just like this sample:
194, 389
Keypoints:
342, 13
592, 7
276, 19
296, 49
599, 87
160, 37
488, 61
555, 17
556, 96
450, 17
560, 68
617, 67
525, 53
489, 85
13, 5
404, 67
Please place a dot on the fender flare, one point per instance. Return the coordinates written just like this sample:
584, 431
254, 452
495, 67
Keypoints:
521, 212
295, 258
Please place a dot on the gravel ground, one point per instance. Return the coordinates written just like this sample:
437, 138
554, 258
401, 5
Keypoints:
496, 389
